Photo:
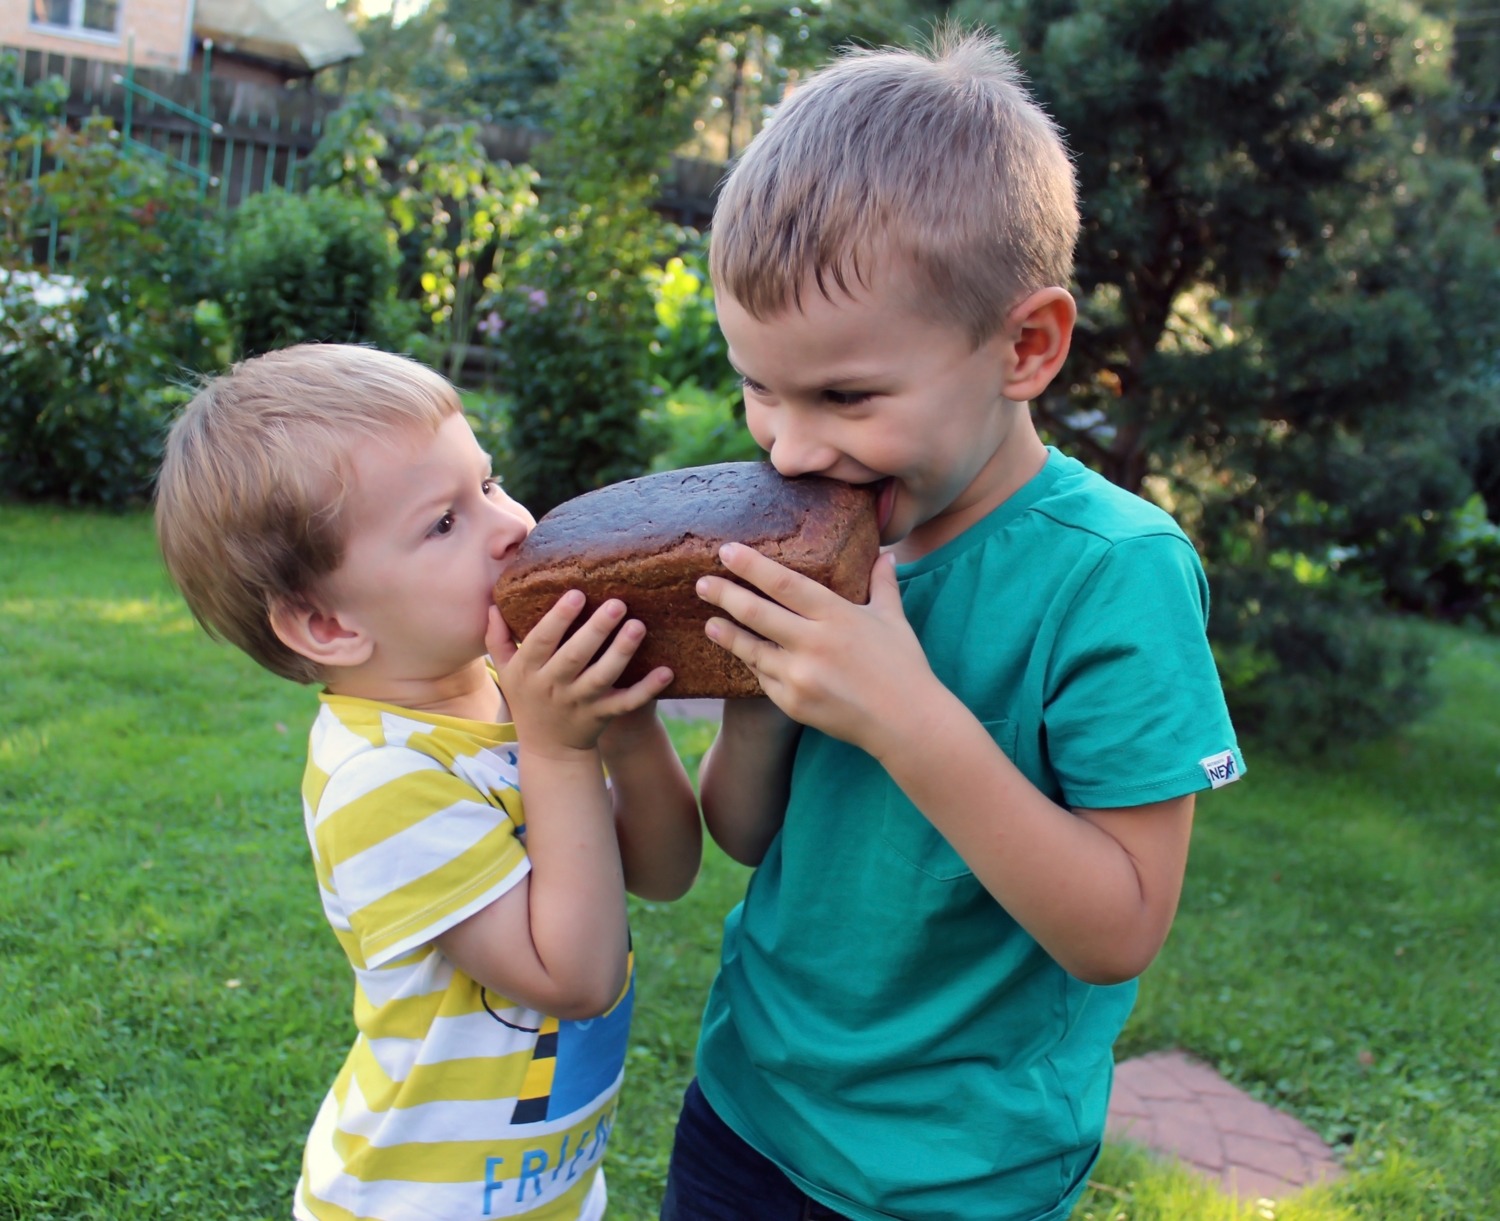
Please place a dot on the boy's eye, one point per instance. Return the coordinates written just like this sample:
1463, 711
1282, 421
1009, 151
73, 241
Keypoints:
753, 386
444, 524
490, 485
847, 398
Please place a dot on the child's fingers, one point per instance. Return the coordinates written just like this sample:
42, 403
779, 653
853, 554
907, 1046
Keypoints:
612, 662
573, 656
628, 699
553, 626
498, 640
762, 616
762, 656
797, 593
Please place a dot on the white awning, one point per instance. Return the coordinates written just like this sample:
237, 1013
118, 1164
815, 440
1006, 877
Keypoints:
300, 33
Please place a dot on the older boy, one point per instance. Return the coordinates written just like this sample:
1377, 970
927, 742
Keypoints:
969, 801
328, 510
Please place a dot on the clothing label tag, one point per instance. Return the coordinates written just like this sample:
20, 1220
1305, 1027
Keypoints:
1220, 769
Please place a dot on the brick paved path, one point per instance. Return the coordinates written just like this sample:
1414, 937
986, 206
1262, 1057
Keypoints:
1175, 1105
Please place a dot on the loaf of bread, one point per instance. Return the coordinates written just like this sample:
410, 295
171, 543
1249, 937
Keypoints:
647, 541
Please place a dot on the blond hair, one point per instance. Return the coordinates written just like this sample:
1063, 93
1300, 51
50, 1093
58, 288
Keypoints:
941, 157
256, 471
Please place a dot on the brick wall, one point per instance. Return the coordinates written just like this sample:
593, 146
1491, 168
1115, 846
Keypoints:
161, 29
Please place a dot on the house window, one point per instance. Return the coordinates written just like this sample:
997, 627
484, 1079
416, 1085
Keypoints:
90, 17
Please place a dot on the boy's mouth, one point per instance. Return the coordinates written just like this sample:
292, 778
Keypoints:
885, 503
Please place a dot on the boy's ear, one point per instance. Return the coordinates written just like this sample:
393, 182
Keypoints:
321, 637
1037, 336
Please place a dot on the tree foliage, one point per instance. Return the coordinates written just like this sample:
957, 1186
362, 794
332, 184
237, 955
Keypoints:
574, 310
1283, 335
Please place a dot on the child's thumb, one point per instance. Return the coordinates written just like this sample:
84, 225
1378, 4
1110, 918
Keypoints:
497, 639
885, 592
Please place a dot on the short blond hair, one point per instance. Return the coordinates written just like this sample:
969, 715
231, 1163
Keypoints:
255, 475
941, 156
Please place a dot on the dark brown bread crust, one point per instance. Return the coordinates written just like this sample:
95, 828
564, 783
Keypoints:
647, 541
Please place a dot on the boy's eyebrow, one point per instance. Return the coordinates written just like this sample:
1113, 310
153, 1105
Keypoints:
838, 382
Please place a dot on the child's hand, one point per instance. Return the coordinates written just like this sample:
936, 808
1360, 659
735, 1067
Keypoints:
847, 670
556, 698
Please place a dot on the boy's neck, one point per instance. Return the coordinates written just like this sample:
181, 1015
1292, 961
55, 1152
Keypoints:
1017, 460
469, 694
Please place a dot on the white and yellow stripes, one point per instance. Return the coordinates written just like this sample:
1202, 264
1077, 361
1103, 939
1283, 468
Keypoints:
441, 1108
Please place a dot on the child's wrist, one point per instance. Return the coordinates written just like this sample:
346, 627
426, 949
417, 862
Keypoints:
756, 718
563, 754
893, 731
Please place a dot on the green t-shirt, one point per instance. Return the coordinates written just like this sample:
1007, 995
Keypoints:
880, 1027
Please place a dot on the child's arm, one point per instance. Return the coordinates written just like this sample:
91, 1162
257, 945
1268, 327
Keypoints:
557, 942
1096, 888
656, 814
746, 777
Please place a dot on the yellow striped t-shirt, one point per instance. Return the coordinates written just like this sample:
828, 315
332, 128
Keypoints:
454, 1104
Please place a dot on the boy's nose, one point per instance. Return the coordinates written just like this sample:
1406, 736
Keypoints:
509, 532
796, 454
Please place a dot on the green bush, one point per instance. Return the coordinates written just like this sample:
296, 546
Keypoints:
1307, 662
85, 399
688, 345
692, 426
699, 414
319, 267
577, 317
93, 363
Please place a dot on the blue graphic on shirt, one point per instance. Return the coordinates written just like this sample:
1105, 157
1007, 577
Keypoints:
589, 1057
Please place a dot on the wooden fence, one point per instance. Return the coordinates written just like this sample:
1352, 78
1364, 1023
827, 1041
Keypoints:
268, 132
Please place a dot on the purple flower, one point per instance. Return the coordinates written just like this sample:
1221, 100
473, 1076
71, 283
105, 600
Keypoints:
538, 299
492, 326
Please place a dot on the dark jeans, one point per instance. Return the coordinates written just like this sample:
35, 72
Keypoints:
715, 1176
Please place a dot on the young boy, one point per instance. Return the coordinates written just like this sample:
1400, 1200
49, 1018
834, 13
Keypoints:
970, 800
328, 510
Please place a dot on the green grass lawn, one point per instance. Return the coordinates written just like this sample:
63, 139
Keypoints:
172, 1005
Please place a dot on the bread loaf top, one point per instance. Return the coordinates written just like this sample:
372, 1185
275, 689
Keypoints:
746, 502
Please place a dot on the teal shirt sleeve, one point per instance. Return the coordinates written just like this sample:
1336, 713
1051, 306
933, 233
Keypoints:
1134, 711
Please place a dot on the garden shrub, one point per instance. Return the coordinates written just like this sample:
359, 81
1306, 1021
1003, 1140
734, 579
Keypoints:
93, 363
85, 398
1308, 661
574, 320
319, 267
699, 414
688, 345
692, 426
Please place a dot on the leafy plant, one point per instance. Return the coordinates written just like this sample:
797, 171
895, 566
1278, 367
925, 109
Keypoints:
449, 211
688, 345
91, 381
576, 314
695, 427
319, 267
699, 414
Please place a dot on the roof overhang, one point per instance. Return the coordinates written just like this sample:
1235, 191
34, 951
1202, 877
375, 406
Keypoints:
304, 35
